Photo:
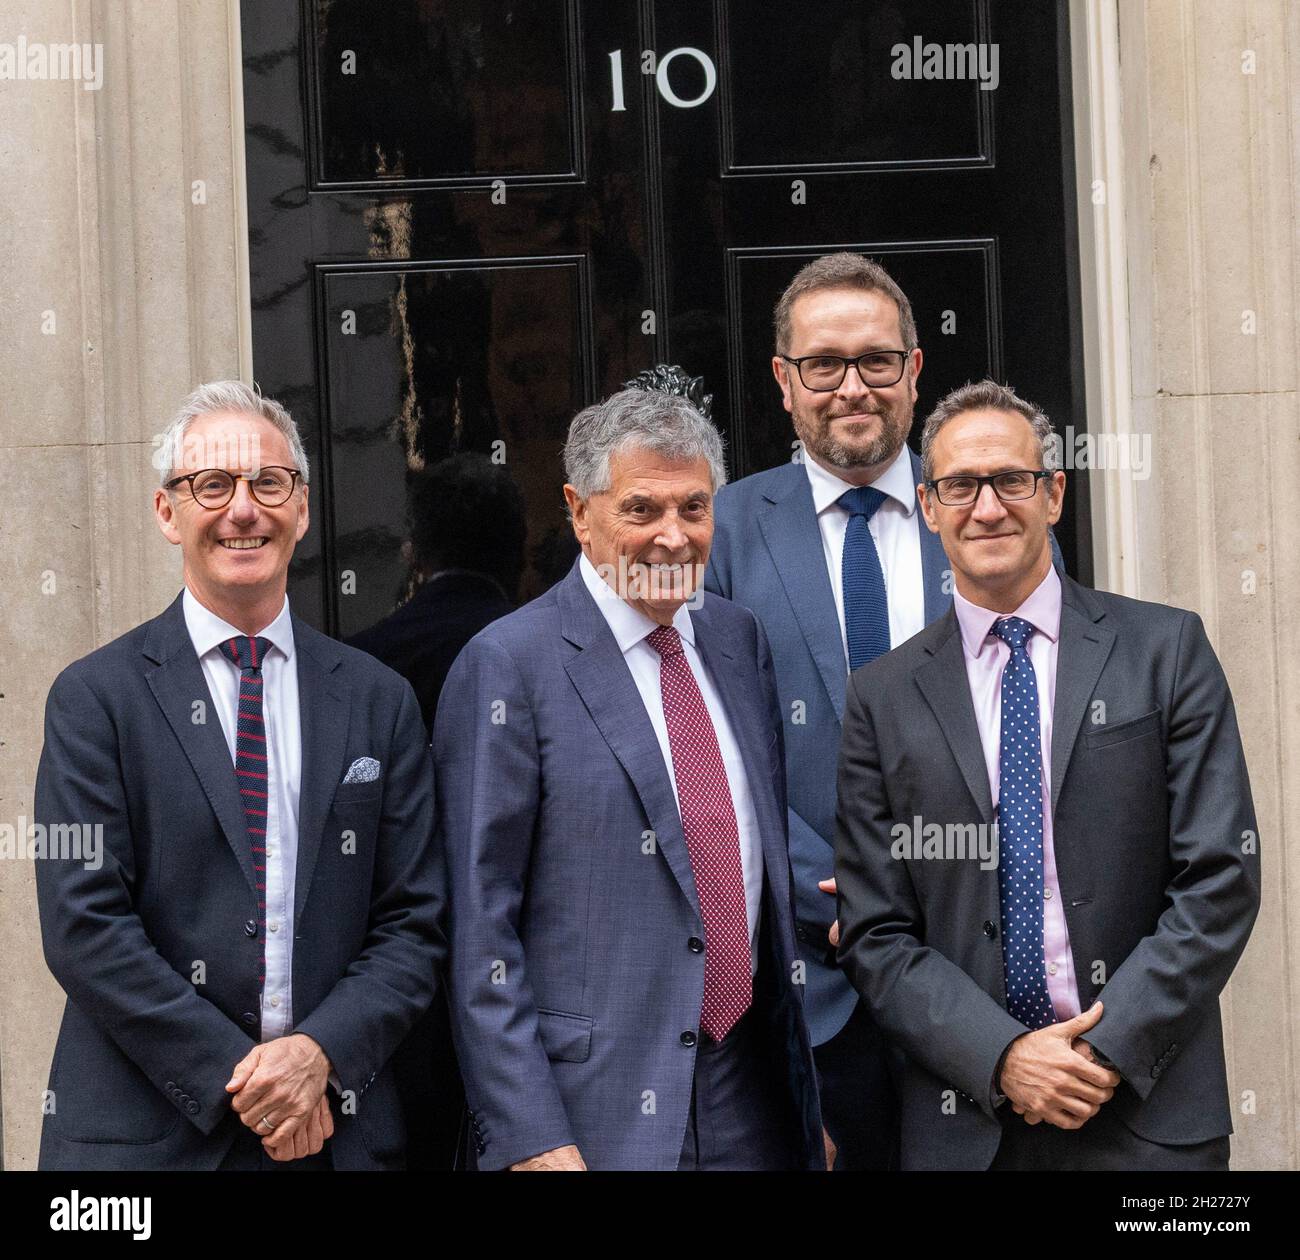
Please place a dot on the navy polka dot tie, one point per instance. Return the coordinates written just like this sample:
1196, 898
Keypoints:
866, 604
1020, 832
251, 763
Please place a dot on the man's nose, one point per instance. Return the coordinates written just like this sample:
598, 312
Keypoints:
988, 507
853, 386
671, 535
242, 508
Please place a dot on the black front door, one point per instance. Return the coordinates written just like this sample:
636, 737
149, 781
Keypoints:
467, 219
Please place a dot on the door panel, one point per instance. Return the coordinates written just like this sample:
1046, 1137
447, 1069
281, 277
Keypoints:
521, 206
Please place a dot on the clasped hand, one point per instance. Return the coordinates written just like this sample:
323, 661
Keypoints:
279, 1093
1051, 1075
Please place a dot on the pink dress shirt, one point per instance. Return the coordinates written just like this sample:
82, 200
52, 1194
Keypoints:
986, 657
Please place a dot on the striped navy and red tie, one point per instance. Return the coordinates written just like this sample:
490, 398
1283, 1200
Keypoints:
251, 765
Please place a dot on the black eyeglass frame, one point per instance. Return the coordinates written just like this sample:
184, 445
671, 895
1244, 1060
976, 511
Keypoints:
903, 356
294, 477
990, 480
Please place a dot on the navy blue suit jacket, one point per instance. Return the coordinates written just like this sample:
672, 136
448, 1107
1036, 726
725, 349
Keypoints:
145, 1048
767, 554
575, 989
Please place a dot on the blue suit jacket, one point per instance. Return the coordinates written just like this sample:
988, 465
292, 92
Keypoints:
145, 1049
767, 554
573, 985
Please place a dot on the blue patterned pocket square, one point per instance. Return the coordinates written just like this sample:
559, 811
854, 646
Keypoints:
362, 770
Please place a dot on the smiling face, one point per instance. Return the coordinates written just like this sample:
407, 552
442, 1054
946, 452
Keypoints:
999, 551
855, 430
236, 558
649, 534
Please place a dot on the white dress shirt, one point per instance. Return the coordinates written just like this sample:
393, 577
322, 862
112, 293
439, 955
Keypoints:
630, 627
894, 529
284, 772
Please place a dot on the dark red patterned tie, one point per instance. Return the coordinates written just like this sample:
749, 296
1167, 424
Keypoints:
712, 838
251, 763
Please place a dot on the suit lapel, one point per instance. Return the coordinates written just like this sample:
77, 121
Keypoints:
1081, 652
789, 527
177, 683
942, 680
324, 708
603, 681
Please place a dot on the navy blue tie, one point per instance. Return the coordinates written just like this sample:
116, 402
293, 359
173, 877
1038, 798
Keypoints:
866, 605
1020, 832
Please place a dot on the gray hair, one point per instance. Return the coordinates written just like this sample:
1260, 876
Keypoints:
666, 424
988, 395
218, 396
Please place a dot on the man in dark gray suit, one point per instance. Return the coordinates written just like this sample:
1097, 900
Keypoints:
625, 991
1046, 847
260, 926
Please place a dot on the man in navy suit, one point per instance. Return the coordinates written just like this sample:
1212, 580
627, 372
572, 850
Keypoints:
260, 926
623, 980
833, 556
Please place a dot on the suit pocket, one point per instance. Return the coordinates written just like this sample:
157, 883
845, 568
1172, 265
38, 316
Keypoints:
98, 1094
357, 793
564, 1036
1122, 732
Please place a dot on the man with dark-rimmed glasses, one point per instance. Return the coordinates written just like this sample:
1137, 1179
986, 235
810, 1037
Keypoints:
262, 925
829, 551
1046, 850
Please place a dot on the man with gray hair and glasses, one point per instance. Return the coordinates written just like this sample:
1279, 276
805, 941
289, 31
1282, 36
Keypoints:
1046, 850
263, 928
624, 981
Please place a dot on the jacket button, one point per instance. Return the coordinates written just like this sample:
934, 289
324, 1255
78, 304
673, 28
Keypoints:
695, 945
990, 929
192, 1107
171, 1084
248, 1019
1155, 1070
688, 1038
250, 927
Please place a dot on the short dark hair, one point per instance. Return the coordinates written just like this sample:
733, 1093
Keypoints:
467, 513
842, 271
987, 395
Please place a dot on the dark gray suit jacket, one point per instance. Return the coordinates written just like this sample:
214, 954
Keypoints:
144, 1052
575, 977
1156, 853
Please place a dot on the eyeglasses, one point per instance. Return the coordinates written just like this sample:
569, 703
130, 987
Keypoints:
214, 487
1021, 483
825, 372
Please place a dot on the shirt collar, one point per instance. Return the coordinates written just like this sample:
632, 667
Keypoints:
1042, 609
207, 630
629, 625
896, 481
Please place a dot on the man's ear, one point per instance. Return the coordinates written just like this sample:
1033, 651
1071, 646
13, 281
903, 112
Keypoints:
927, 507
916, 358
304, 516
578, 514
781, 370
164, 511
1056, 496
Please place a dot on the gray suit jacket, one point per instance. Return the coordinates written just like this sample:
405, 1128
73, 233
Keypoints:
1156, 852
767, 554
575, 993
